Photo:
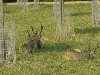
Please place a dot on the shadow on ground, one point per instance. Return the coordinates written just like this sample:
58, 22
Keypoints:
88, 30
81, 13
57, 47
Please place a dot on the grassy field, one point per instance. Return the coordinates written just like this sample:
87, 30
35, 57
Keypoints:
49, 60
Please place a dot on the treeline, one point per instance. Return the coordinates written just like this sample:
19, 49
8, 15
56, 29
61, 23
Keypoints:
43, 0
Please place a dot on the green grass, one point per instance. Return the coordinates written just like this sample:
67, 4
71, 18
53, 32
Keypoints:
49, 60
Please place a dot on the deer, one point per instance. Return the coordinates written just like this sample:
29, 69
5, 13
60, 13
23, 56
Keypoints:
34, 41
37, 37
74, 55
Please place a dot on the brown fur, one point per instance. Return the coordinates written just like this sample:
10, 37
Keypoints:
34, 42
74, 55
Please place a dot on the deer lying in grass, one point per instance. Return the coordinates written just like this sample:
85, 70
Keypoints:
74, 55
34, 41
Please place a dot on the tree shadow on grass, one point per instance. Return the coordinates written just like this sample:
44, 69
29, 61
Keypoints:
88, 30
80, 13
8, 11
57, 47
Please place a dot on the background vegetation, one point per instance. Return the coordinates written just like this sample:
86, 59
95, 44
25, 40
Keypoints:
43, 0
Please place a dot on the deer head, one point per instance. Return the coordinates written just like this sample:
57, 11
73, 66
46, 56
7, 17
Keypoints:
93, 51
97, 46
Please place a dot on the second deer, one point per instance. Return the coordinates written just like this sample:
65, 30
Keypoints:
74, 55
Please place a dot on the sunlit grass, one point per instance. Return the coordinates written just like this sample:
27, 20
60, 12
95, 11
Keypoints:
49, 60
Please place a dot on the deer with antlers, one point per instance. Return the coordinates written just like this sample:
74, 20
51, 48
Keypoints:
74, 55
34, 41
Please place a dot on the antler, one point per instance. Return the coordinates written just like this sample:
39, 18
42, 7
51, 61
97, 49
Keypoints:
32, 29
97, 46
29, 34
41, 31
89, 48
